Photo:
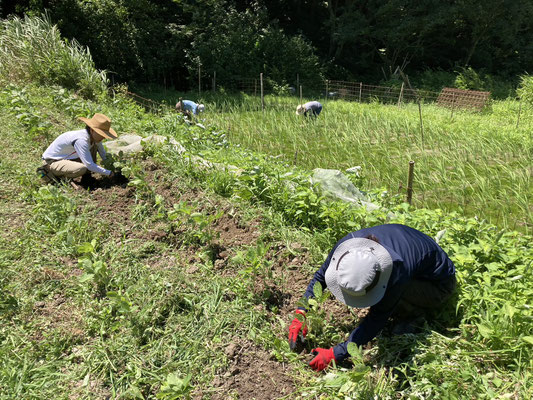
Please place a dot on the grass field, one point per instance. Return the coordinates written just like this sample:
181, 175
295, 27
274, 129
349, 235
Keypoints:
182, 282
478, 164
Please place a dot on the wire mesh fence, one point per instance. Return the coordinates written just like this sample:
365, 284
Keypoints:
332, 90
270, 95
361, 92
149, 104
458, 98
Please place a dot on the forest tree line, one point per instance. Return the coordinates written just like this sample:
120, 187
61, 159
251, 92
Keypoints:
165, 41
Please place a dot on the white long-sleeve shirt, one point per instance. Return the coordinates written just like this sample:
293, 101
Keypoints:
76, 144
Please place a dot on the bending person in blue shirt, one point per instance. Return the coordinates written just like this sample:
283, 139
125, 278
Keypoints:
189, 107
389, 268
312, 108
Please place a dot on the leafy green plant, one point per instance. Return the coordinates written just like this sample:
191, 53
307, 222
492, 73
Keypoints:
316, 318
175, 388
27, 114
95, 271
195, 226
470, 79
525, 89
53, 209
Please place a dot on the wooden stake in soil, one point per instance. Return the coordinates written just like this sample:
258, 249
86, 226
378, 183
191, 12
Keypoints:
300, 95
327, 89
262, 94
199, 79
297, 80
401, 95
410, 181
406, 80
214, 81
453, 104
360, 90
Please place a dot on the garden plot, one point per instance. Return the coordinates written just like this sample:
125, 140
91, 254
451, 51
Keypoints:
181, 282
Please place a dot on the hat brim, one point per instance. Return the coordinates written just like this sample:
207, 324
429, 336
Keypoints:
378, 291
110, 134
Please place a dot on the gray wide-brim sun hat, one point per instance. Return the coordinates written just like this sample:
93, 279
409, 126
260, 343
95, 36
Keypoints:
358, 272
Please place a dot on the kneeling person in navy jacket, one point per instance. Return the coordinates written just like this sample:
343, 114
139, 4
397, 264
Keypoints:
389, 268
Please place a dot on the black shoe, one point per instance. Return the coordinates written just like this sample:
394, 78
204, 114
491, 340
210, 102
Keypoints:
46, 175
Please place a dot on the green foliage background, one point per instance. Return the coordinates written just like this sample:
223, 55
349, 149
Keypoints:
161, 41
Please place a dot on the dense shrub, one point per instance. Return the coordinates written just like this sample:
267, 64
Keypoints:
469, 79
525, 89
244, 44
31, 49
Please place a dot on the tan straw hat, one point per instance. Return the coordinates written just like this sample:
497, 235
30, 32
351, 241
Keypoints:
101, 124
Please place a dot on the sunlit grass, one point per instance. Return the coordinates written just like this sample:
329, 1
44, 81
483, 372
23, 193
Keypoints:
475, 163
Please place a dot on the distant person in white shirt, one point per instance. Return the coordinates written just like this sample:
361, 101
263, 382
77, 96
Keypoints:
73, 154
189, 107
312, 108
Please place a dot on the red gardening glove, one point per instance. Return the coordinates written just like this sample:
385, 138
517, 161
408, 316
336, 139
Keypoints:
322, 359
295, 328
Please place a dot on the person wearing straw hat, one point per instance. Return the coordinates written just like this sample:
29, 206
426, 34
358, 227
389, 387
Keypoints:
393, 269
189, 107
312, 108
73, 154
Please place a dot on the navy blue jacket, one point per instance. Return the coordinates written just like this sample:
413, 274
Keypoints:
414, 256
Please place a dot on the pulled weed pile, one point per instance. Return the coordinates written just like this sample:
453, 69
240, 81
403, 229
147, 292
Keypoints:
180, 284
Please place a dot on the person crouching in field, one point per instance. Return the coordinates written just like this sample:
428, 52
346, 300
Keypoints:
189, 108
312, 108
393, 269
73, 154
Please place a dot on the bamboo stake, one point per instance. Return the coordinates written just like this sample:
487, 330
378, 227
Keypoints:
199, 78
453, 103
406, 80
401, 94
410, 181
262, 93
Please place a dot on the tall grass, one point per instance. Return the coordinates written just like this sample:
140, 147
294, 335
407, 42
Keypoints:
477, 164
32, 50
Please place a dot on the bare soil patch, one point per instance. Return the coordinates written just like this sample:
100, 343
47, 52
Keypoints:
58, 314
252, 374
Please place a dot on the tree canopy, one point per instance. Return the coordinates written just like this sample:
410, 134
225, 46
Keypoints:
164, 41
